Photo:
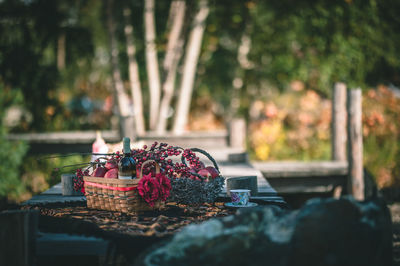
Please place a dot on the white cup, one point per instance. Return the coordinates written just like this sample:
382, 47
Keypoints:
240, 197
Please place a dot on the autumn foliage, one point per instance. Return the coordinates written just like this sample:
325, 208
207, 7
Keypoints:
295, 125
291, 126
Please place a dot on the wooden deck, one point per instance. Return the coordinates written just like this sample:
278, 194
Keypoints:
304, 177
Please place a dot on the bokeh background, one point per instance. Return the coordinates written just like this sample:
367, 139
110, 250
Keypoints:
273, 63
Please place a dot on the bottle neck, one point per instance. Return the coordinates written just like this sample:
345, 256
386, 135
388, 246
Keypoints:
126, 148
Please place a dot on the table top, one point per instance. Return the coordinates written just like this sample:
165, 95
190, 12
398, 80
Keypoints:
265, 191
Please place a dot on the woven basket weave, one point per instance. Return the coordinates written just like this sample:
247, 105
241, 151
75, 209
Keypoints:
188, 191
117, 194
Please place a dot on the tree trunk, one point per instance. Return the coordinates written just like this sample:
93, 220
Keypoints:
152, 62
189, 71
177, 16
136, 90
244, 63
122, 98
172, 57
61, 51
244, 48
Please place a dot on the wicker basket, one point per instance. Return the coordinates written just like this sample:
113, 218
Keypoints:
188, 191
117, 194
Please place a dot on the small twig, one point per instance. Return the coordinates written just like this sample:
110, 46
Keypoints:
79, 164
73, 154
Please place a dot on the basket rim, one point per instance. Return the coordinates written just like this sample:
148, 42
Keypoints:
114, 181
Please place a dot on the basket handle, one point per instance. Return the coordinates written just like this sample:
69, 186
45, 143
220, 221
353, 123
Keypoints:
205, 154
148, 162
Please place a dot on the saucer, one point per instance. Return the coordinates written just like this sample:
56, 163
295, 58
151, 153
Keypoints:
250, 204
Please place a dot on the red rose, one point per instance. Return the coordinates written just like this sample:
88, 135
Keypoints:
165, 186
148, 188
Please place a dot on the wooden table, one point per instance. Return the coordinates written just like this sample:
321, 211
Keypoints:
228, 169
63, 219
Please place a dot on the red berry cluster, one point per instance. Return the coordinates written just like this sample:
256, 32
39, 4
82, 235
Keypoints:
162, 153
159, 152
194, 161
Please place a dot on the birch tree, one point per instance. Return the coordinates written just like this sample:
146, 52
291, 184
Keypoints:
243, 65
119, 91
152, 62
160, 101
171, 61
134, 79
189, 70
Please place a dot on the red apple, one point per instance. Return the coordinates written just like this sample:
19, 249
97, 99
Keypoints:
112, 173
111, 164
99, 172
204, 173
214, 172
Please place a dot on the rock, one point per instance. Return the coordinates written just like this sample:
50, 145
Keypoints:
323, 232
342, 232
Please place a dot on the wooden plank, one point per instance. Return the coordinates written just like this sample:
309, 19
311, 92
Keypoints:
64, 244
227, 155
56, 189
17, 237
304, 177
339, 119
312, 184
246, 169
53, 198
263, 200
187, 135
242, 182
284, 169
267, 198
355, 145
81, 141
70, 137
200, 139
62, 148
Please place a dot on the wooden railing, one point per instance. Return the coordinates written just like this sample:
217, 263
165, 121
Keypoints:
227, 144
63, 142
344, 173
